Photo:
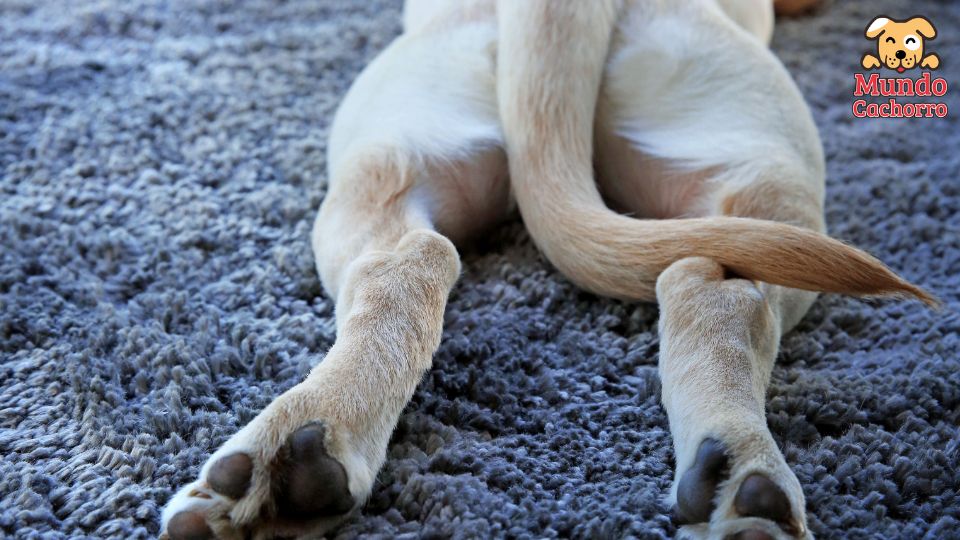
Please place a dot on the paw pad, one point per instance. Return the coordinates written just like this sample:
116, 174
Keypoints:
189, 526
750, 534
759, 496
231, 475
698, 486
312, 483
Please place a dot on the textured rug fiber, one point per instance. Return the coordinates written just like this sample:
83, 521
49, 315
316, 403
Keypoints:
160, 166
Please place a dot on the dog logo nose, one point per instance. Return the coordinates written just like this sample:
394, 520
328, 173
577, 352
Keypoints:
901, 55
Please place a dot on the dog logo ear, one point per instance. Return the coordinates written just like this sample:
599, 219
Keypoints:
923, 27
876, 27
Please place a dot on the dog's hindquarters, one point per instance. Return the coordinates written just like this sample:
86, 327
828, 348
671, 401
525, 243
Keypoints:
550, 63
721, 132
723, 117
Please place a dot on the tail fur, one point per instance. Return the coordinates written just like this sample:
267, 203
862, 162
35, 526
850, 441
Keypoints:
549, 66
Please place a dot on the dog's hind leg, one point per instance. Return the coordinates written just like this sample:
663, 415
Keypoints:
719, 337
415, 159
719, 131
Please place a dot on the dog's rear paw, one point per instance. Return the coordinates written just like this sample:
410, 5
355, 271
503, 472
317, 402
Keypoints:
307, 490
288, 473
720, 496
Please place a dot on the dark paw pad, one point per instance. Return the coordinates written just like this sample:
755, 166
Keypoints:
759, 496
312, 484
189, 526
699, 484
750, 534
231, 475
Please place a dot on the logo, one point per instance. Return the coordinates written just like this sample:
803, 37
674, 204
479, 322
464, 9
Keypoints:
901, 46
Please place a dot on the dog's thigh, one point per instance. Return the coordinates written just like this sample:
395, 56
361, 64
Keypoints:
428, 104
781, 195
688, 94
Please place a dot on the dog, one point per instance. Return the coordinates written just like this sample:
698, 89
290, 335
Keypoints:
900, 44
565, 111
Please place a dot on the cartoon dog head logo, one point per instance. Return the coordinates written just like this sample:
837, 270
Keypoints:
900, 44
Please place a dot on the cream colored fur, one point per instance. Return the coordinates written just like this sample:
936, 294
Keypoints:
684, 113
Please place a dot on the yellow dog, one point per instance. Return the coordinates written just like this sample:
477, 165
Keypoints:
900, 44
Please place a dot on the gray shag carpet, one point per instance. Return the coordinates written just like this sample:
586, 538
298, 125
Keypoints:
161, 164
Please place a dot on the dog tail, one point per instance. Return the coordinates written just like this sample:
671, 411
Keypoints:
550, 61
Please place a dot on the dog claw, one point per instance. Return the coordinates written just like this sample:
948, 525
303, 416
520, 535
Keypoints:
189, 526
